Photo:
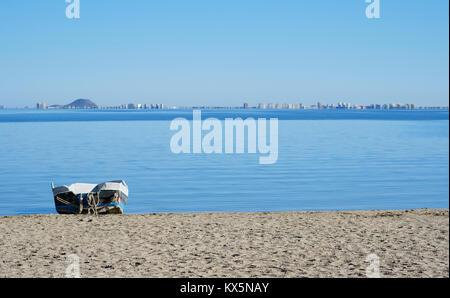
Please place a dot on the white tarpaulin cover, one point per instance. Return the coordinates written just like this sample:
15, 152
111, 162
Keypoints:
113, 185
80, 188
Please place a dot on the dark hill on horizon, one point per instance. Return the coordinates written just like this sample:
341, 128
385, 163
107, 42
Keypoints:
81, 104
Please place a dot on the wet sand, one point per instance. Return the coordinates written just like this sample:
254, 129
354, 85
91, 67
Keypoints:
410, 243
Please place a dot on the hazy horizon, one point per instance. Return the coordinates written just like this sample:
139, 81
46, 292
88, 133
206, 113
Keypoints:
278, 104
224, 53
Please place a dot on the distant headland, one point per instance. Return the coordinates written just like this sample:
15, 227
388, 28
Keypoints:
76, 104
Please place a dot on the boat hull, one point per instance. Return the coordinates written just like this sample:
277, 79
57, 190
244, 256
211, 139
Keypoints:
69, 203
106, 198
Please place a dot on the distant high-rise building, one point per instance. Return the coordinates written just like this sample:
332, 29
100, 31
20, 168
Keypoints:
41, 106
158, 106
131, 106
245, 106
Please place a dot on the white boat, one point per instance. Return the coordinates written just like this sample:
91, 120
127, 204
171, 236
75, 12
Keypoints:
81, 198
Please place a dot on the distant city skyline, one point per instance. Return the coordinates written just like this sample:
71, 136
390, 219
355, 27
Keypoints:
259, 105
224, 53
88, 104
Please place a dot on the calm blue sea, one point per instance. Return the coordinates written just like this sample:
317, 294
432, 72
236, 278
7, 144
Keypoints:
328, 160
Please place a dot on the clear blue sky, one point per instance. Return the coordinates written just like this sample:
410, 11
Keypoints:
224, 52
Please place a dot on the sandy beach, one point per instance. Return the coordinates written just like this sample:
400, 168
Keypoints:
410, 243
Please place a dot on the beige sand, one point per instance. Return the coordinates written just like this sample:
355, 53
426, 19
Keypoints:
291, 244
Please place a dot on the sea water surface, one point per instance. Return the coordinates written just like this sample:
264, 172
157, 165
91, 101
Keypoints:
328, 160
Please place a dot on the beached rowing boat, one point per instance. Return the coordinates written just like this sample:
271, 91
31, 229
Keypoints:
81, 198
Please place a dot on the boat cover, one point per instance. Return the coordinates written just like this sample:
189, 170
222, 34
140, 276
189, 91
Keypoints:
82, 188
